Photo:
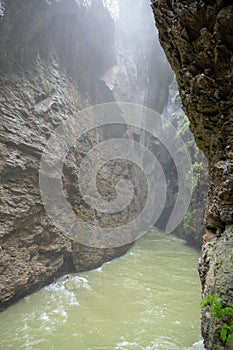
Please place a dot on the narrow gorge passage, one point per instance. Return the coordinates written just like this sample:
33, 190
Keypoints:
58, 57
147, 299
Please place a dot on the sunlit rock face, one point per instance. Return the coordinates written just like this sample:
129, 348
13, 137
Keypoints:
197, 39
57, 57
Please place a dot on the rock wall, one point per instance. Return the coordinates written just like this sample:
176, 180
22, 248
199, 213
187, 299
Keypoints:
192, 227
197, 39
41, 84
57, 57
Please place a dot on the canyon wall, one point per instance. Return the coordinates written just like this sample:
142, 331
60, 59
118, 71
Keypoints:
57, 57
197, 39
192, 226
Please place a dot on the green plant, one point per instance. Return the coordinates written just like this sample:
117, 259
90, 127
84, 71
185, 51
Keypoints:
196, 174
184, 128
190, 143
219, 311
195, 181
226, 332
189, 219
197, 166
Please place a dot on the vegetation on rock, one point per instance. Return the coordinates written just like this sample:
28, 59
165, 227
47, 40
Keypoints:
223, 313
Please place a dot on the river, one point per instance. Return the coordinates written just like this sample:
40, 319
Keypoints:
148, 299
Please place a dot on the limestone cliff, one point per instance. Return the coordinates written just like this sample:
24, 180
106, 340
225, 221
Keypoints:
197, 39
57, 57
42, 45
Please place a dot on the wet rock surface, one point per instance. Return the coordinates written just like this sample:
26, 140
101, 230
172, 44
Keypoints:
40, 89
50, 69
192, 227
197, 39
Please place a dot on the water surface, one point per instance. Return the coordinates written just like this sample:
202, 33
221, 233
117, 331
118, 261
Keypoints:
148, 299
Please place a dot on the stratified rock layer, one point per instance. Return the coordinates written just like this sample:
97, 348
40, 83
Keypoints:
197, 39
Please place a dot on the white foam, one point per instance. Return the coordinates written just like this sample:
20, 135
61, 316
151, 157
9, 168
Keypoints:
197, 346
44, 317
127, 345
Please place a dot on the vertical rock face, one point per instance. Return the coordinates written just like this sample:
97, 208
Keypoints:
192, 226
197, 39
136, 50
41, 49
57, 57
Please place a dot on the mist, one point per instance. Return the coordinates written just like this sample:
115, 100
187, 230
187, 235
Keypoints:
140, 59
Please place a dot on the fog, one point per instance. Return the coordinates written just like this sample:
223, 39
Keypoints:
140, 58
